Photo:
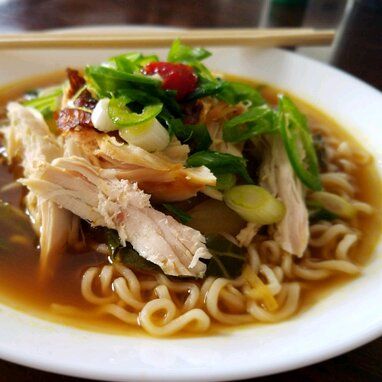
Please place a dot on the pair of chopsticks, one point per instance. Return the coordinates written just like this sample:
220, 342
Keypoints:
132, 39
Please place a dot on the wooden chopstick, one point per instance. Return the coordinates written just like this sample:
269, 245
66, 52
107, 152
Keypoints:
212, 37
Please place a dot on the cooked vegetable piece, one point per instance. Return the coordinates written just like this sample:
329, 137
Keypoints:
177, 213
150, 135
298, 143
107, 81
183, 53
225, 181
207, 88
130, 257
100, 116
255, 204
127, 255
213, 216
334, 204
46, 104
132, 62
112, 240
227, 258
220, 163
235, 92
122, 116
196, 136
255, 121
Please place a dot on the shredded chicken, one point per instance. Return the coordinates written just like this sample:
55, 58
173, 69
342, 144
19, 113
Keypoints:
156, 173
28, 138
278, 177
98, 196
213, 114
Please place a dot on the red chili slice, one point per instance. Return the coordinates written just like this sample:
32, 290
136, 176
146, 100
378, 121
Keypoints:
179, 77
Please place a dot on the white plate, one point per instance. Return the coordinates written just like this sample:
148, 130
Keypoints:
349, 317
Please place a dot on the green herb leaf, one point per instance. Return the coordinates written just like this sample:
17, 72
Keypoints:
207, 88
235, 92
183, 53
107, 81
298, 143
132, 62
220, 163
256, 121
227, 258
178, 213
129, 256
196, 136
112, 240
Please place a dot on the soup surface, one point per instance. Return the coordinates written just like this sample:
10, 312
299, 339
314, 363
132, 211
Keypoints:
20, 287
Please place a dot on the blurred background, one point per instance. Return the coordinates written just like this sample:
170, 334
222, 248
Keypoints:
357, 49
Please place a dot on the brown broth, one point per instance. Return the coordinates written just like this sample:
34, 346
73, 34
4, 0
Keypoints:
19, 271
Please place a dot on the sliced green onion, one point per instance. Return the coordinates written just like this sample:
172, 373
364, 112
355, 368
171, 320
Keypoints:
255, 204
100, 116
150, 135
298, 143
122, 116
220, 163
334, 204
225, 181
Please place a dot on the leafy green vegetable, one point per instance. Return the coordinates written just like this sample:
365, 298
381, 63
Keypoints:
225, 181
130, 257
298, 143
255, 121
127, 255
196, 136
123, 117
112, 240
46, 104
132, 62
177, 212
106, 81
182, 53
220, 163
227, 258
235, 92
207, 88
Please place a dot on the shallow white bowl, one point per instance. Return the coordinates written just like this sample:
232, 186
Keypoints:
347, 318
